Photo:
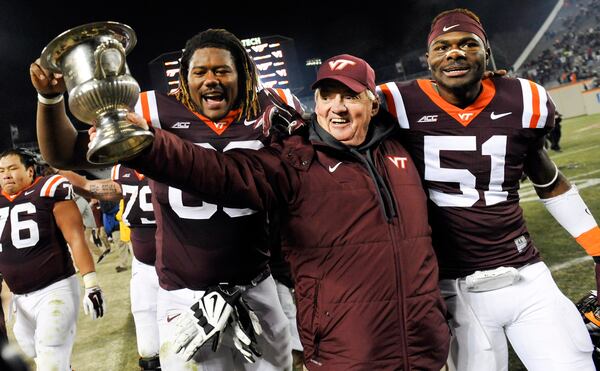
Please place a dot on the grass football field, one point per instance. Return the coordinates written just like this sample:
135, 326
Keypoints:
109, 343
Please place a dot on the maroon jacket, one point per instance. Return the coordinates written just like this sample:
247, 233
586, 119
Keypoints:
354, 229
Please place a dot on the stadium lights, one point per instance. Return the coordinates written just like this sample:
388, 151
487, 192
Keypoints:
314, 62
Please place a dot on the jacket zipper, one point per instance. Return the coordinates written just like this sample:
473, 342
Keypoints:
401, 296
317, 336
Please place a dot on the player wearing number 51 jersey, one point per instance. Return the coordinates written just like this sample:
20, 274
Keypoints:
37, 219
472, 160
471, 140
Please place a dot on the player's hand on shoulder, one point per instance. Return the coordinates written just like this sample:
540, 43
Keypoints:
46, 82
94, 303
495, 73
277, 115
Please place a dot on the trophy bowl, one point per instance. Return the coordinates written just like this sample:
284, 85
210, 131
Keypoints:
91, 58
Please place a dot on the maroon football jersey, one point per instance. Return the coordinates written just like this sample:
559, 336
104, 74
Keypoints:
198, 242
471, 161
33, 251
138, 213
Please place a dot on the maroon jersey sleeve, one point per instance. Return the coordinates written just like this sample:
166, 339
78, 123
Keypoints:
471, 162
33, 251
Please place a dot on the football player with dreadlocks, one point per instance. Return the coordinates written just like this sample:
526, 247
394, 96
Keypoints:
212, 261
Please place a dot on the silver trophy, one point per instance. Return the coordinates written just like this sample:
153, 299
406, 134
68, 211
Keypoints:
91, 59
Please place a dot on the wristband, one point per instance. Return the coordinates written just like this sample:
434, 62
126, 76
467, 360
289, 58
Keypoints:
50, 101
90, 280
550, 182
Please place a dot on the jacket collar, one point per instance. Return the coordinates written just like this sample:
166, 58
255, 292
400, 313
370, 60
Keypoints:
379, 129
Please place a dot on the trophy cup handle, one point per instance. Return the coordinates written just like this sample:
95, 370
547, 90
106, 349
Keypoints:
110, 59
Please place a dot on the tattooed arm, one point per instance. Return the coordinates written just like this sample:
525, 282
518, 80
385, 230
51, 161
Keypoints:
102, 189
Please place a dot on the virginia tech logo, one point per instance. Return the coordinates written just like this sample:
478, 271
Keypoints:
399, 162
465, 116
340, 64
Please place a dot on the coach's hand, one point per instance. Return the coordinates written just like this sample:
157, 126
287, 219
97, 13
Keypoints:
131, 117
203, 324
93, 299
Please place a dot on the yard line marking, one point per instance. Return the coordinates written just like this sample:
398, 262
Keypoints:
591, 127
584, 174
529, 185
575, 151
569, 263
529, 195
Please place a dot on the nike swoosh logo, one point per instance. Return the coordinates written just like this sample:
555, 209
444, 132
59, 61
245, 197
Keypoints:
29, 192
493, 116
248, 123
170, 318
333, 168
446, 29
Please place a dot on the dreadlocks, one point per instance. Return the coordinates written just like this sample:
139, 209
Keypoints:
246, 70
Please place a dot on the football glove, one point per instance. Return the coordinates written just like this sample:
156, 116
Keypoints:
202, 325
590, 311
277, 115
94, 304
245, 328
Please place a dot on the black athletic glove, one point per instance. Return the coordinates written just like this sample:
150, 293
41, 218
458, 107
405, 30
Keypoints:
245, 328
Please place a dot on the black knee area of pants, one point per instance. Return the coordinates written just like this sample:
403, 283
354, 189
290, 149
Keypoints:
150, 364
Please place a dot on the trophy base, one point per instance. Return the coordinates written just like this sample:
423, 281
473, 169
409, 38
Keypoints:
117, 140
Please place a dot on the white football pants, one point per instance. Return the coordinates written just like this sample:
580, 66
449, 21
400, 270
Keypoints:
45, 324
289, 308
543, 326
144, 293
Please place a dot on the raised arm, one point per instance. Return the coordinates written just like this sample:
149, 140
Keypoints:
240, 178
60, 143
